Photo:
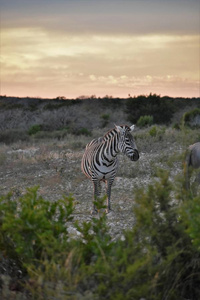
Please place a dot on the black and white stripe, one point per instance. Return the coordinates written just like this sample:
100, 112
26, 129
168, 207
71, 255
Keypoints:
99, 162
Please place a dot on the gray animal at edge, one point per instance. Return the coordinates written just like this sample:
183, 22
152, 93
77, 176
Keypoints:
192, 161
100, 162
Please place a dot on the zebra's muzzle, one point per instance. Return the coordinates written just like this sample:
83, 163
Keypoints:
135, 155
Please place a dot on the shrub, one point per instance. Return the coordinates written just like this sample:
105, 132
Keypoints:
161, 109
176, 126
34, 129
191, 118
33, 228
32, 107
82, 131
160, 230
158, 258
153, 131
145, 121
56, 134
3, 158
105, 118
56, 105
191, 212
11, 136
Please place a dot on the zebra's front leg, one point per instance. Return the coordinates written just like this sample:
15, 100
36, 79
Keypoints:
96, 184
108, 191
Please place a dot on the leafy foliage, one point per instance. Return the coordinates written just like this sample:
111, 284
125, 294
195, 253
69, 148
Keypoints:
153, 131
191, 212
161, 109
160, 232
82, 131
34, 129
157, 259
55, 105
145, 121
105, 118
192, 118
10, 136
32, 227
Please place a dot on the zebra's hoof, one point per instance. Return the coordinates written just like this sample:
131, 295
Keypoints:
109, 211
94, 212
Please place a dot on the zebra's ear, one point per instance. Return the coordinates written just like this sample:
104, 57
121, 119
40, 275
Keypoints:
132, 127
119, 129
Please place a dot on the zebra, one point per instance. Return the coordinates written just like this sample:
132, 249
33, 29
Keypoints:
100, 163
192, 161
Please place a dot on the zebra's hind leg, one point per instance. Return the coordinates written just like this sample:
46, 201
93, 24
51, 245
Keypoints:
109, 183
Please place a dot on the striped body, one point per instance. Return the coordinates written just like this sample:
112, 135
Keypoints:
100, 163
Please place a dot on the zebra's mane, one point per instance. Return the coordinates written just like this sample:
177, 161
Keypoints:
114, 131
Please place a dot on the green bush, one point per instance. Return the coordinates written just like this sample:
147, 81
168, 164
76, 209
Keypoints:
191, 212
33, 228
153, 131
157, 259
96, 242
34, 129
82, 131
8, 106
189, 117
105, 118
161, 109
145, 121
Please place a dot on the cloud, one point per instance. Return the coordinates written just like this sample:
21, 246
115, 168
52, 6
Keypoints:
164, 85
67, 48
110, 17
100, 54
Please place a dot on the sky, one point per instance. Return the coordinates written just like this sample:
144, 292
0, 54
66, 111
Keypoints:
119, 48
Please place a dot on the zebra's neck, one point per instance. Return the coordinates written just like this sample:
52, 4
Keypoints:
110, 134
111, 141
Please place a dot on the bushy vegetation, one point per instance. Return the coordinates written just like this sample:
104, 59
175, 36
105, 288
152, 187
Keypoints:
157, 259
13, 135
192, 118
34, 129
81, 131
33, 228
59, 104
145, 121
161, 109
56, 114
156, 131
105, 118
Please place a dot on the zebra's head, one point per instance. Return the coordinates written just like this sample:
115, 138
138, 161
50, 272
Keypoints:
127, 143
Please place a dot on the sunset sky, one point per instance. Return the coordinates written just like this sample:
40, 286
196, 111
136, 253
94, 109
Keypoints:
100, 47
